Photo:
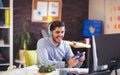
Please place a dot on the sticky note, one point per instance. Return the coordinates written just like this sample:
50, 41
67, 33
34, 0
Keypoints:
118, 18
118, 8
108, 26
111, 10
115, 26
111, 19
114, 18
114, 9
118, 26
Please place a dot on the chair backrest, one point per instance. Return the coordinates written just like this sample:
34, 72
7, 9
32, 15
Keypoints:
30, 57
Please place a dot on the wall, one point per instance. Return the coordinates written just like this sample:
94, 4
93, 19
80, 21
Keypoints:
109, 12
73, 14
96, 10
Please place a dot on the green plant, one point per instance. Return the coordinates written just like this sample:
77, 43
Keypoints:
46, 69
23, 39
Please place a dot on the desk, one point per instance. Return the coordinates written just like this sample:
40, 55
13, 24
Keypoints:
76, 44
33, 70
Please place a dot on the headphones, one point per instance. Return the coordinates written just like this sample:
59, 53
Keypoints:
53, 25
49, 31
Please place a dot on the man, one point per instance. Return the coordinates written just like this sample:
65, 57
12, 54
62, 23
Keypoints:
52, 50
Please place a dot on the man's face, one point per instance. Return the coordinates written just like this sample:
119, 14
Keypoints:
58, 34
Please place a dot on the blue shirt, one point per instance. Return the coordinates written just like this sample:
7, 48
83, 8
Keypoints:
48, 53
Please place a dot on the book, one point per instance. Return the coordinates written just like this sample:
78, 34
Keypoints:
7, 17
1, 3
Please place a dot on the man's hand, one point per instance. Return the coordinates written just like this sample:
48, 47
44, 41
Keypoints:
82, 58
72, 61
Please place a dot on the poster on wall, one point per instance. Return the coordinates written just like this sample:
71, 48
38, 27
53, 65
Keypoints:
112, 16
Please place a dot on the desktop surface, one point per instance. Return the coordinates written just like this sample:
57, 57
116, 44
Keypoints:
33, 70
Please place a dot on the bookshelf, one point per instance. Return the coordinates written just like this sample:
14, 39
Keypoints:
6, 34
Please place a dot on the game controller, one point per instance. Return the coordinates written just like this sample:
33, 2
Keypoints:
79, 54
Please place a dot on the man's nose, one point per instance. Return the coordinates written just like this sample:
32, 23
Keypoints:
60, 34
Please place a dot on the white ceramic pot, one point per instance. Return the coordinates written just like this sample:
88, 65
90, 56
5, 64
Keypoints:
44, 73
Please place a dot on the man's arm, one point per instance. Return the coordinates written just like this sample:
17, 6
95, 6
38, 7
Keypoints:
72, 61
42, 56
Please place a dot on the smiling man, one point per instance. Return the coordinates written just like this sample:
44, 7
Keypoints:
53, 49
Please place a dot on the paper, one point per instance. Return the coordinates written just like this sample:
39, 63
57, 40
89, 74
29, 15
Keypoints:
37, 15
118, 18
115, 26
111, 19
118, 26
118, 8
111, 10
42, 8
53, 9
114, 18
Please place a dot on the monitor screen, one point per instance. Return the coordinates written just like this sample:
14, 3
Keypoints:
91, 27
105, 52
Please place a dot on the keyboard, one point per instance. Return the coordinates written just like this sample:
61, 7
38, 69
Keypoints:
76, 70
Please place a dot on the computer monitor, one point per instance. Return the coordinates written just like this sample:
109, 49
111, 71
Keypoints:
105, 52
91, 27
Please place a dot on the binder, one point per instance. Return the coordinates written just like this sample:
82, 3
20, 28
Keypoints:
1, 3
7, 17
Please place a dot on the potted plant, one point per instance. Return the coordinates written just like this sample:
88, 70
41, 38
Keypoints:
23, 39
46, 70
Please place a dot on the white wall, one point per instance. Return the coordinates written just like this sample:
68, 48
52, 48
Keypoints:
96, 9
100, 10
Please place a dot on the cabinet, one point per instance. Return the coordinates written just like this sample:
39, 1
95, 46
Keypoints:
6, 34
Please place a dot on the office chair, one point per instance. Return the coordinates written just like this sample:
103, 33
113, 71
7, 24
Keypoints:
30, 57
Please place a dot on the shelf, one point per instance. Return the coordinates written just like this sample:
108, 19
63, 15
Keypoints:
4, 27
4, 7
5, 45
2, 64
6, 33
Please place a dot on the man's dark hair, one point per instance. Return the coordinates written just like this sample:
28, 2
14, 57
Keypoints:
55, 24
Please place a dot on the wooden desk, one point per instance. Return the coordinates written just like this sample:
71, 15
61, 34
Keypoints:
77, 44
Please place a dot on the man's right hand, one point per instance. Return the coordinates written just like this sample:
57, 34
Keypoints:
72, 62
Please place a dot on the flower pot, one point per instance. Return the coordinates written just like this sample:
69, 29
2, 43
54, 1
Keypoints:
44, 73
21, 55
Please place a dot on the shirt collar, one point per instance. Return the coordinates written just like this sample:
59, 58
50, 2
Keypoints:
51, 40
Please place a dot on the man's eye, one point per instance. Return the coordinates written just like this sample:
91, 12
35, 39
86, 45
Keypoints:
57, 32
62, 32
